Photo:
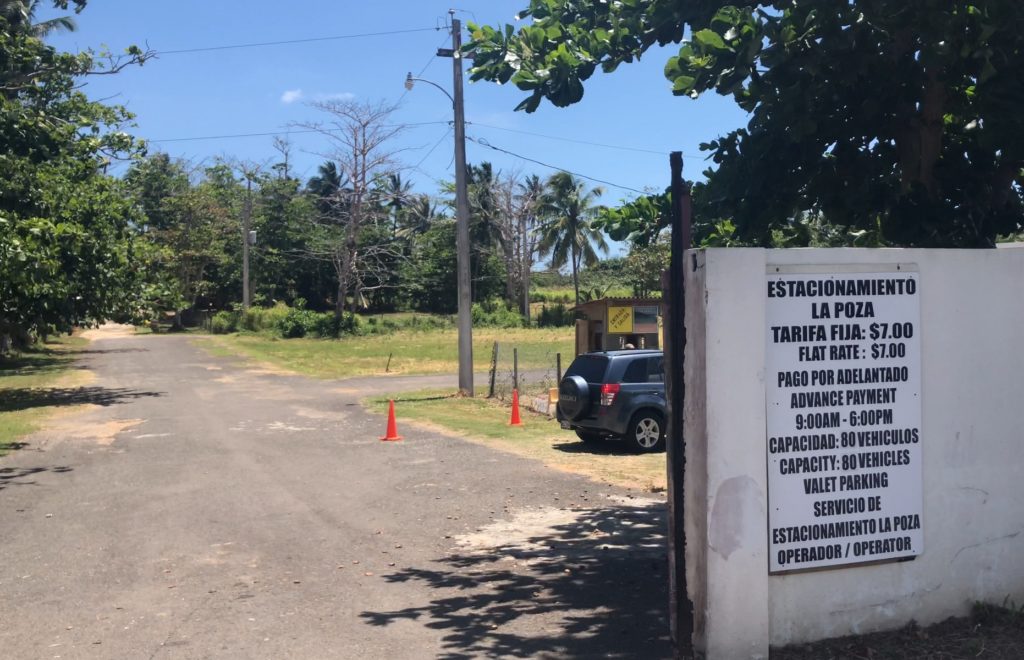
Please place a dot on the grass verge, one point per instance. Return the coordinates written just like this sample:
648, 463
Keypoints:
485, 422
38, 369
990, 632
409, 352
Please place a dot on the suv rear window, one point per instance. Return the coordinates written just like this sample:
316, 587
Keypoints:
590, 367
644, 370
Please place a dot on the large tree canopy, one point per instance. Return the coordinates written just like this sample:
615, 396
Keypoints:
887, 115
65, 227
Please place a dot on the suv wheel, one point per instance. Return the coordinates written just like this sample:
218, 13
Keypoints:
588, 436
646, 432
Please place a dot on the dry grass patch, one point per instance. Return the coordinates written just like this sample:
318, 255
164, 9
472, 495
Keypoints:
486, 422
403, 352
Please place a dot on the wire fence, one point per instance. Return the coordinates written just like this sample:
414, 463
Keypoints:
531, 370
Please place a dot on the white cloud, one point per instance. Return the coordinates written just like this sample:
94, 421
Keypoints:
291, 96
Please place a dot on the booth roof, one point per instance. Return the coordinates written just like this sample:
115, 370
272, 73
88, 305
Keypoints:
594, 305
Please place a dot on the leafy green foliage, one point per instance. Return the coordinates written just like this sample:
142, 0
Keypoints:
66, 254
429, 275
298, 323
900, 120
495, 313
556, 316
187, 231
638, 221
643, 268
224, 322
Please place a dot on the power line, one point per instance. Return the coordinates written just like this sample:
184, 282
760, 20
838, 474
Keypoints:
484, 143
565, 139
436, 145
285, 132
481, 141
409, 125
295, 41
430, 60
233, 135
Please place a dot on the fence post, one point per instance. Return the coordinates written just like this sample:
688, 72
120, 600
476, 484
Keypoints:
673, 286
515, 368
558, 368
494, 370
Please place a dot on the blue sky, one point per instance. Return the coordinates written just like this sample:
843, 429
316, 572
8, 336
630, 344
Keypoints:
267, 89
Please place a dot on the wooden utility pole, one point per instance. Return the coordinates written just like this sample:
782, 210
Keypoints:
246, 222
462, 219
674, 291
462, 251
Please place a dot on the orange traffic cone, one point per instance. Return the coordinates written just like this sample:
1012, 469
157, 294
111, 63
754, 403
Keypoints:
392, 432
515, 421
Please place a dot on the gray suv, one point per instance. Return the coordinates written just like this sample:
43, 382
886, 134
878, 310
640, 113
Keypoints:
615, 394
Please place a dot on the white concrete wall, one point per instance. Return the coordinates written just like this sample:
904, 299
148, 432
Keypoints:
972, 369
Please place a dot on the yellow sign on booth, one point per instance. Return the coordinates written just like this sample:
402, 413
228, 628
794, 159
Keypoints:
620, 320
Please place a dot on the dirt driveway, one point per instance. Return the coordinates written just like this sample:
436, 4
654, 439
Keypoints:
186, 507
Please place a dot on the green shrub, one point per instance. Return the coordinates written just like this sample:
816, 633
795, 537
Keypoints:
327, 326
224, 323
496, 314
551, 297
330, 326
261, 319
556, 316
298, 323
421, 323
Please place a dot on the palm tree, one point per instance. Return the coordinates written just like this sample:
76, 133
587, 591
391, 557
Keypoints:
326, 187
396, 196
418, 215
530, 196
567, 235
20, 15
484, 216
483, 211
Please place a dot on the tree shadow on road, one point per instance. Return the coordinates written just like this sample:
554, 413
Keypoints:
105, 351
15, 476
34, 361
37, 397
595, 587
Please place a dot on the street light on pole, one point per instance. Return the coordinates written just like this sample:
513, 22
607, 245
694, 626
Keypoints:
410, 80
465, 318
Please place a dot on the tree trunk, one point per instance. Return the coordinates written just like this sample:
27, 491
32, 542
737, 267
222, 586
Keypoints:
524, 268
339, 304
920, 143
575, 274
510, 282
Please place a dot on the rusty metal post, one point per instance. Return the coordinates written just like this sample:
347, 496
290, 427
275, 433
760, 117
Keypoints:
515, 368
494, 371
680, 606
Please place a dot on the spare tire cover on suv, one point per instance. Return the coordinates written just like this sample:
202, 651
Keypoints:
573, 397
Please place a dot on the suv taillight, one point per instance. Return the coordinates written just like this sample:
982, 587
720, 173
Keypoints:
608, 392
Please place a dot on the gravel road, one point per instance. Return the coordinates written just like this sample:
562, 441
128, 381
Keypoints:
185, 506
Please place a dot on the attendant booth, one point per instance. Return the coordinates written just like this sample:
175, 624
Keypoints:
609, 324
